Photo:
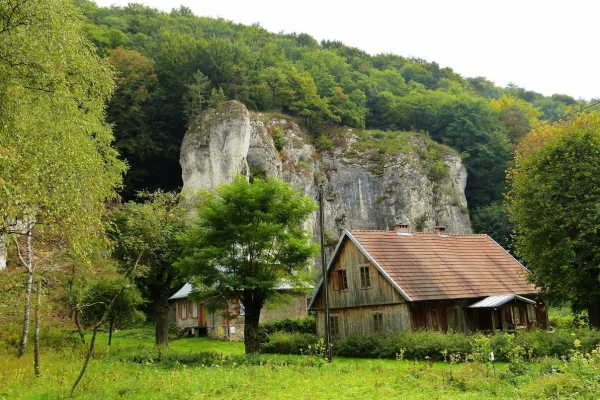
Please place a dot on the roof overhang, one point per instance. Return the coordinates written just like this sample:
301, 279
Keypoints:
500, 300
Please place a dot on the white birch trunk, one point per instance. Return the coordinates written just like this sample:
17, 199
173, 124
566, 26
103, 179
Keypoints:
27, 260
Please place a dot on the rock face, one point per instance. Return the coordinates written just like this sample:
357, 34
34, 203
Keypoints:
215, 148
231, 140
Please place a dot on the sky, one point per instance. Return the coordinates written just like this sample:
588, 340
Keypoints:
548, 46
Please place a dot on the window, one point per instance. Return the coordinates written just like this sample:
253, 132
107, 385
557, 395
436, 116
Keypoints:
334, 325
453, 321
531, 313
194, 310
184, 310
378, 323
242, 309
365, 277
343, 280
432, 320
340, 280
516, 315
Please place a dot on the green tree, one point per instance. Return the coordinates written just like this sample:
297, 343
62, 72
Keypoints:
246, 242
145, 236
470, 124
139, 140
554, 202
124, 311
57, 166
493, 219
217, 97
517, 115
196, 99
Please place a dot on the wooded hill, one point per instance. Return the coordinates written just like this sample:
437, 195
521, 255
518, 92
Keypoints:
171, 66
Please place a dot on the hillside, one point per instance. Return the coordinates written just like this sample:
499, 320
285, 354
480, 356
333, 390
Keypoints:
172, 66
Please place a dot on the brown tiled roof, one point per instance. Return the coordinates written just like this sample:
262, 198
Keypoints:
428, 266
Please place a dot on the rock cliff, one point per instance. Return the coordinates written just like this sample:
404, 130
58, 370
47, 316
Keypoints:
399, 188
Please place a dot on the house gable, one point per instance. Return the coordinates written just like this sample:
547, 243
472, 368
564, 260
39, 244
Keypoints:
356, 280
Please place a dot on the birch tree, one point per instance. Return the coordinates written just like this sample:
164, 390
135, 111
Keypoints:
57, 166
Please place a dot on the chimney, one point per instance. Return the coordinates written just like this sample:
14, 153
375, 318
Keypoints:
400, 228
440, 229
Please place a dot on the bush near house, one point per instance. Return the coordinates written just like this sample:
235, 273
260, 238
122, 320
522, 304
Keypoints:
439, 346
288, 335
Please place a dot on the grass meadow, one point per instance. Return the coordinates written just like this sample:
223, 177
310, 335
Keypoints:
201, 368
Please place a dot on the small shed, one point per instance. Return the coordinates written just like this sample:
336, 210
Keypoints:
382, 281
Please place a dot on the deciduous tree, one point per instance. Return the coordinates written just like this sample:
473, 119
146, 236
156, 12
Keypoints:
246, 242
554, 202
145, 236
57, 166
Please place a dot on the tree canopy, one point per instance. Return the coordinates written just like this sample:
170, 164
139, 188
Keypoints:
322, 84
247, 243
554, 203
57, 165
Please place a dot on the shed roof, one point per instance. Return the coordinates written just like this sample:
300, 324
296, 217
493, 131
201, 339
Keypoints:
183, 292
430, 266
499, 300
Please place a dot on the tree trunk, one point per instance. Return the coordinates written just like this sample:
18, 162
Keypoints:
28, 260
81, 335
594, 315
161, 320
36, 340
252, 305
111, 324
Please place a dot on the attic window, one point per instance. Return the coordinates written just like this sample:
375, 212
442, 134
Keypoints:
340, 280
365, 277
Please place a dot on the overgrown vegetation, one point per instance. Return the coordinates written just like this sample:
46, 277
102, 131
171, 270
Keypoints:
133, 368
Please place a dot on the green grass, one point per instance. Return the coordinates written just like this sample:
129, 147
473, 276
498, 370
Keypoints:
199, 368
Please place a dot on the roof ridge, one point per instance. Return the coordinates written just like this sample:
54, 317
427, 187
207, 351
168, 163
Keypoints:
418, 232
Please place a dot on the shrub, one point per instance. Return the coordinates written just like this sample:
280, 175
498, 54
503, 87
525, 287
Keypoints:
365, 346
432, 344
277, 139
324, 143
288, 343
289, 325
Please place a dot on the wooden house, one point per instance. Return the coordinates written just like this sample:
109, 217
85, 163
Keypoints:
193, 317
382, 281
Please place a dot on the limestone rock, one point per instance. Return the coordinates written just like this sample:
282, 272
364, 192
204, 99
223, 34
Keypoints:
231, 140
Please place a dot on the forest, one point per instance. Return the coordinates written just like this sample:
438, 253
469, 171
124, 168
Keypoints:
171, 66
